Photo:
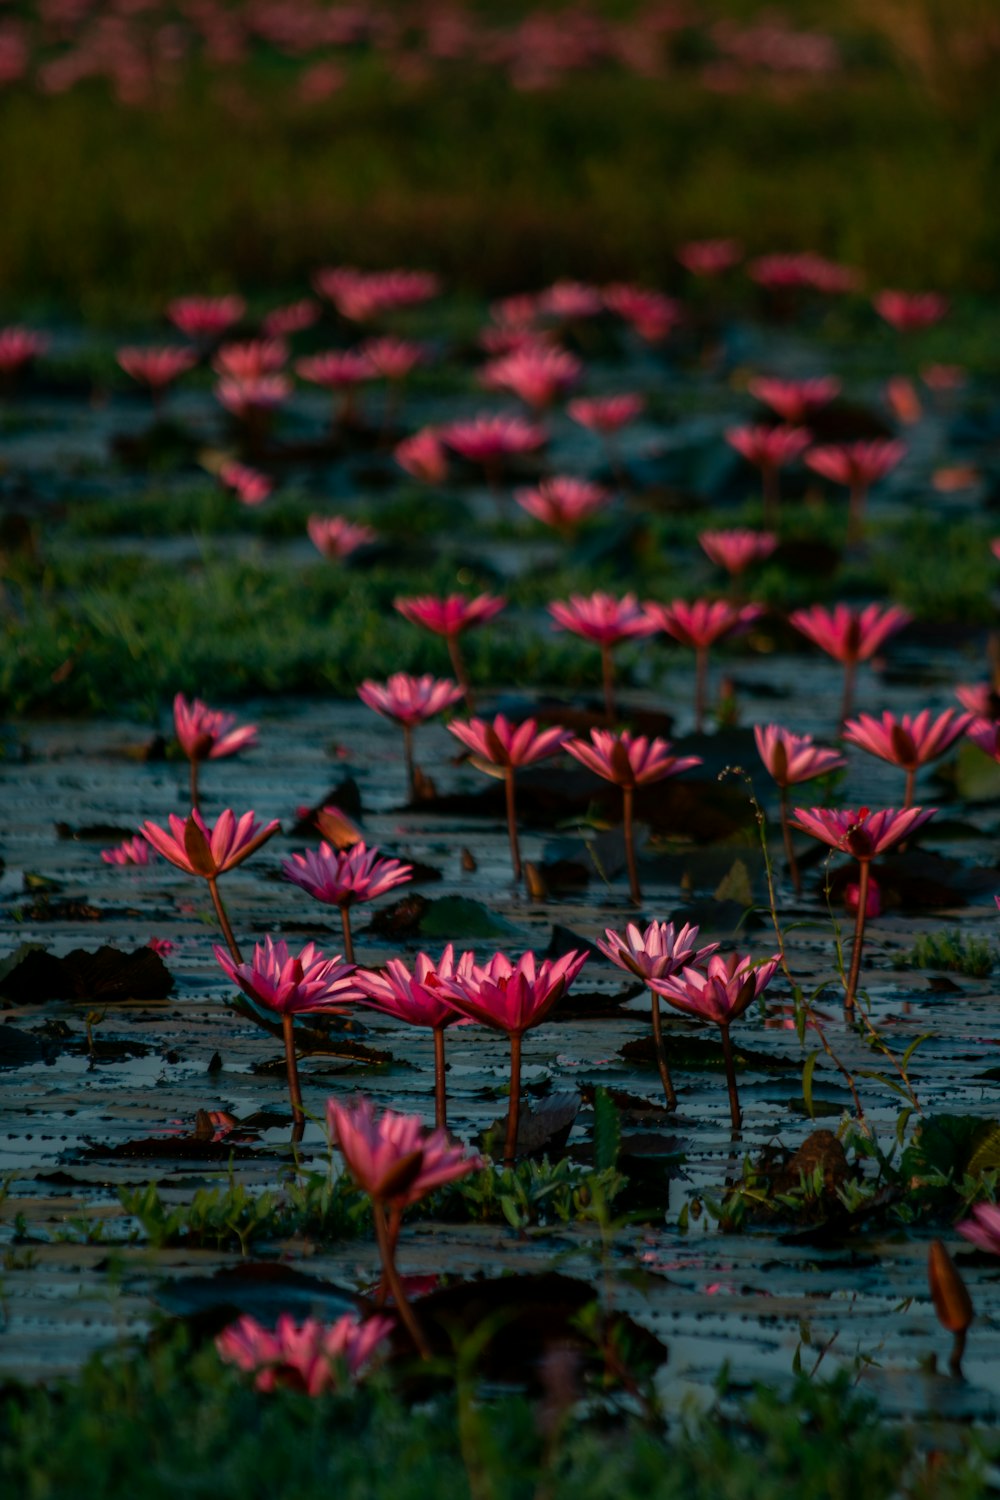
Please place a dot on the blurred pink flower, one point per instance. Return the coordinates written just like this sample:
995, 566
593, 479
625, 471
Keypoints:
246, 399
336, 370
336, 537
699, 624
602, 618
850, 635
737, 548
391, 1156
606, 414
795, 401
986, 734
769, 447
982, 1227
250, 486
488, 440
205, 733
156, 368
393, 358
709, 257
251, 359
629, 760
651, 315
539, 375
410, 700
205, 317
424, 456
294, 317
794, 758
306, 1358
857, 466
569, 301
450, 615
563, 502
503, 744
908, 312
129, 852
18, 347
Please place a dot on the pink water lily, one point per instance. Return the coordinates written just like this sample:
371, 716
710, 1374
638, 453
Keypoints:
769, 449
393, 358
491, 440
18, 348
737, 548
499, 747
344, 877
341, 372
864, 834
563, 502
606, 414
336, 537
396, 1162
250, 359
410, 701
982, 1227
193, 846
253, 401
424, 456
607, 622
700, 624
792, 759
129, 852
538, 374
986, 734
795, 401
656, 953
512, 996
651, 315
305, 1358
449, 617
570, 301
415, 997
908, 740
850, 636
630, 761
709, 257
205, 733
980, 699
250, 486
156, 368
205, 318
856, 466
909, 312
292, 985
720, 994
292, 317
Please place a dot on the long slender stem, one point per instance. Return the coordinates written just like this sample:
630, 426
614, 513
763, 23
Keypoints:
292, 1068
847, 702
734, 1098
514, 1102
459, 669
864, 870
345, 922
194, 785
628, 799
515, 848
786, 833
392, 1277
220, 912
661, 1054
700, 686
411, 770
856, 513
771, 492
608, 679
440, 1085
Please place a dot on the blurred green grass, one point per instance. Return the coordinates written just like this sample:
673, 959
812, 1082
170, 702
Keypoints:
111, 211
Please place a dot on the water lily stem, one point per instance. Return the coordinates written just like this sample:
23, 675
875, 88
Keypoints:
220, 912
661, 1054
700, 687
786, 833
440, 1086
628, 799
194, 785
514, 1103
608, 679
394, 1282
292, 1067
345, 922
864, 871
411, 770
461, 675
515, 848
734, 1098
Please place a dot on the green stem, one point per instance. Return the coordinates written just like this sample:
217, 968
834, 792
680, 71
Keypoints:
345, 922
734, 1098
